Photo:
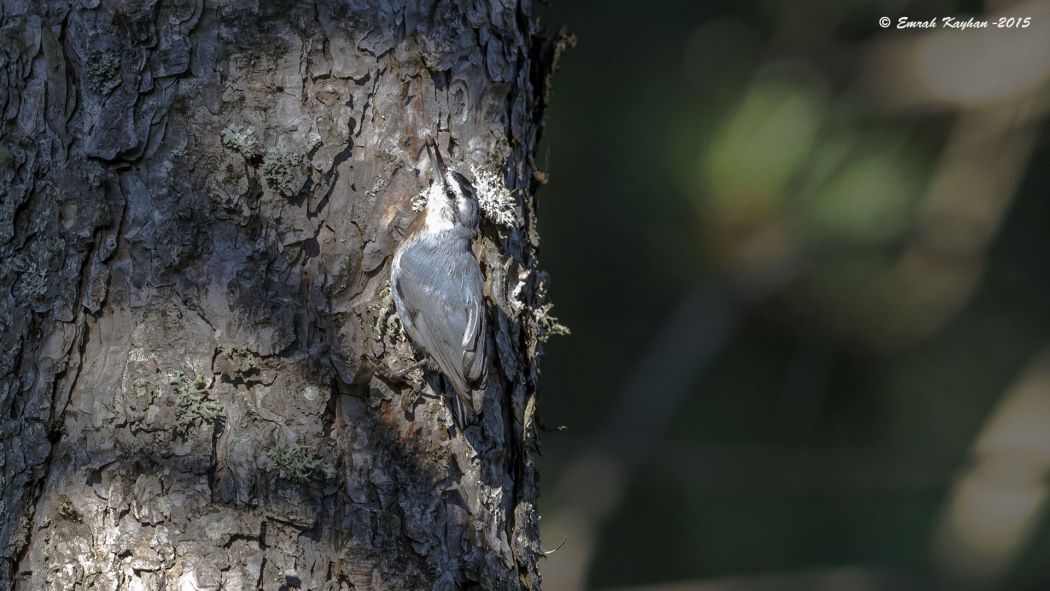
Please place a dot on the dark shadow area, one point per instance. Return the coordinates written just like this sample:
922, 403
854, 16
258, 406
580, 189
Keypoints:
873, 200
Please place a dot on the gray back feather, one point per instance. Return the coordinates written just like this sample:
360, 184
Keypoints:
438, 294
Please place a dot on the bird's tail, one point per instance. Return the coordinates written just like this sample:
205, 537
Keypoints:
461, 403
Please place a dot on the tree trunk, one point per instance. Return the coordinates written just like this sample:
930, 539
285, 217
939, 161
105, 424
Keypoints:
198, 205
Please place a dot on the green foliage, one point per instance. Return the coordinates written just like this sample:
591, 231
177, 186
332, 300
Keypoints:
294, 463
240, 138
279, 167
104, 72
192, 404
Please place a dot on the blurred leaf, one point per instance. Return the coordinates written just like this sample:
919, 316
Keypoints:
868, 193
764, 143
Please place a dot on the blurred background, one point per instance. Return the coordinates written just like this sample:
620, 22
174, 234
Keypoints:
806, 264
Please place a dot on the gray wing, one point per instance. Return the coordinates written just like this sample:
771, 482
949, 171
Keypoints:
441, 304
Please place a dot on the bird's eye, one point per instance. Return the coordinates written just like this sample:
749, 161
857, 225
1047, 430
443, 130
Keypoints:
450, 194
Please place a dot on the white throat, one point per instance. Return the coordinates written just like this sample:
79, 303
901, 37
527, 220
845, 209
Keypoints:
439, 216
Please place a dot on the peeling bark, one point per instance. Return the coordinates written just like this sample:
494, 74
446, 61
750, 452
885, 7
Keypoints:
198, 205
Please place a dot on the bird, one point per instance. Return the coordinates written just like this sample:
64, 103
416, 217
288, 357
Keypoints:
437, 285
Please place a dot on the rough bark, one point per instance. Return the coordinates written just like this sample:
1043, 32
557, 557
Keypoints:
199, 203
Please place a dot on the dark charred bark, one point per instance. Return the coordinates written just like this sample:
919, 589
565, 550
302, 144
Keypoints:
198, 204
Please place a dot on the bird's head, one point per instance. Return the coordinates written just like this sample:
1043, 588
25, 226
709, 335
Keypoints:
450, 193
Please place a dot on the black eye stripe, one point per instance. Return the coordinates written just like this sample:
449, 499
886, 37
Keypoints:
457, 186
462, 180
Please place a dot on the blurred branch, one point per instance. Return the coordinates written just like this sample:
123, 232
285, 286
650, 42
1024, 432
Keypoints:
998, 500
969, 194
832, 579
594, 481
983, 163
998, 79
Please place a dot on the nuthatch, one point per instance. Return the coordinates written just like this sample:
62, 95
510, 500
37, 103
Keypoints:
436, 281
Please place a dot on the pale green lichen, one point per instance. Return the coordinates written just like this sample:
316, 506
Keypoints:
495, 200
293, 462
420, 202
68, 512
192, 405
279, 167
547, 324
94, 174
32, 280
388, 332
383, 311
54, 244
240, 138
104, 72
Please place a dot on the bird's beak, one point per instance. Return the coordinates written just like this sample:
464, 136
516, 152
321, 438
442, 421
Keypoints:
436, 163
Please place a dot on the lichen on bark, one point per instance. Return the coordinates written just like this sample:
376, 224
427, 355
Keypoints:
142, 236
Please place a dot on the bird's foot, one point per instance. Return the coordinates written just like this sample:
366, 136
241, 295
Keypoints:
400, 375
